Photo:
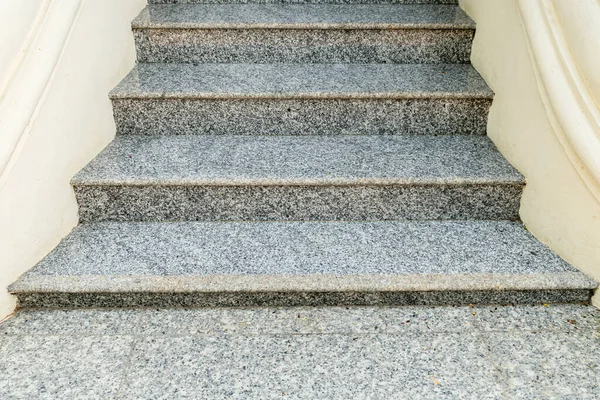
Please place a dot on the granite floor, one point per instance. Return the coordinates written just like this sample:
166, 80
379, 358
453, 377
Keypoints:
522, 352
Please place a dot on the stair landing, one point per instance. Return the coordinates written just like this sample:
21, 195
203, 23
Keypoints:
523, 352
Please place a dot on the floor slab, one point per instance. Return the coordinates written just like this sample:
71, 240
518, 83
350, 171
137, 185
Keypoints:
469, 352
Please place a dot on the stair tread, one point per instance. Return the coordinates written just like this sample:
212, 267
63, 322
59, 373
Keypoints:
455, 2
302, 81
300, 256
298, 160
303, 16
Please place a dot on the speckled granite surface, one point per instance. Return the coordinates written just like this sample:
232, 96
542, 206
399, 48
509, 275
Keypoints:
297, 203
298, 178
301, 117
303, 45
190, 248
300, 263
303, 16
306, 160
333, 353
302, 1
308, 299
303, 34
305, 99
302, 137
302, 81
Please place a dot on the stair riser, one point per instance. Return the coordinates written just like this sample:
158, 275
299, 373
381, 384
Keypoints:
301, 117
297, 203
408, 46
289, 299
302, 1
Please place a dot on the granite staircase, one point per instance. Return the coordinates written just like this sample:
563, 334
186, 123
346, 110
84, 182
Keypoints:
300, 153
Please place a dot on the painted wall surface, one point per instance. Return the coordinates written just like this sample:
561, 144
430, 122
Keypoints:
72, 124
581, 28
557, 207
17, 19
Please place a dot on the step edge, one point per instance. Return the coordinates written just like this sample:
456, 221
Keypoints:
121, 95
80, 181
312, 283
143, 26
162, 3
142, 21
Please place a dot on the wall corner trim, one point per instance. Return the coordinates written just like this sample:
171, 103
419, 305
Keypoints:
570, 107
25, 91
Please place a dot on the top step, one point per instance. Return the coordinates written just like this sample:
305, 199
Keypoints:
327, 16
302, 1
303, 33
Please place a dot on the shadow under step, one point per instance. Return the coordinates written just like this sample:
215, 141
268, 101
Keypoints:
193, 264
303, 33
229, 178
301, 99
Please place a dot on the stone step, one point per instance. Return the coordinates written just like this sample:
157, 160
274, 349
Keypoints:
228, 178
302, 1
301, 99
300, 263
303, 33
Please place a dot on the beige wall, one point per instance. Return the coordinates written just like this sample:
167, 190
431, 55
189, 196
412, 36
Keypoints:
557, 206
73, 122
18, 18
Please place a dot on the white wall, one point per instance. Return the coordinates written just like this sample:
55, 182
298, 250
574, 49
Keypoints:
17, 20
72, 122
557, 206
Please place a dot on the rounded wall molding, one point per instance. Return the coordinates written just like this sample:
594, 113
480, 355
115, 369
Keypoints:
27, 84
569, 103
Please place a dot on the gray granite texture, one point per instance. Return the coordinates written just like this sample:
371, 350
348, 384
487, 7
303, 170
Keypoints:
567, 317
305, 16
309, 99
302, 1
332, 353
313, 367
303, 34
338, 248
240, 264
300, 117
297, 203
302, 46
174, 178
62, 366
307, 160
542, 364
292, 299
302, 81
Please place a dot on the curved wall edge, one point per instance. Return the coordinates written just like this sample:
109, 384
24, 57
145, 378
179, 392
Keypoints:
540, 57
55, 116
25, 90
570, 106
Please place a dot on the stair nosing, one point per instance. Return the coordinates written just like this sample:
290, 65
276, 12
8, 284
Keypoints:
216, 76
301, 26
232, 283
301, 96
80, 182
141, 22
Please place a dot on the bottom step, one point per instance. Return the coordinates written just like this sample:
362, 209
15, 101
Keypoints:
300, 263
